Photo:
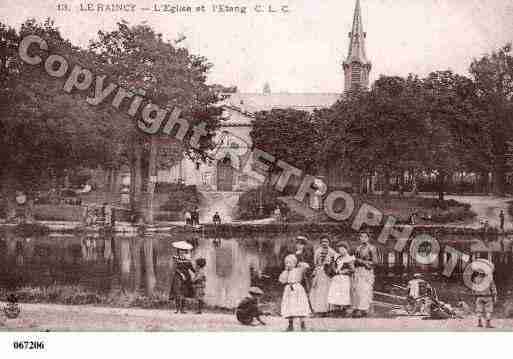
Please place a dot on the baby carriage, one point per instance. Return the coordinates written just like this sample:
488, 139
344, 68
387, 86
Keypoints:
422, 299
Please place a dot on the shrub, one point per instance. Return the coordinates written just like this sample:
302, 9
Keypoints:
182, 198
250, 201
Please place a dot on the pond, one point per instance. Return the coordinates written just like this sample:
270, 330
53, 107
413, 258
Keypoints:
103, 263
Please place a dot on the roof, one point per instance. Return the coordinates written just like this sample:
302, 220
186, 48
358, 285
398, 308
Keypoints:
357, 38
253, 102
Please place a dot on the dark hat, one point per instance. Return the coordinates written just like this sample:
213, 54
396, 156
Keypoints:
256, 291
201, 262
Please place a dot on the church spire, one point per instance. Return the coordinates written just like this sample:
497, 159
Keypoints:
357, 66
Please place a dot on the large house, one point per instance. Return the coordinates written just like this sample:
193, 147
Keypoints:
238, 114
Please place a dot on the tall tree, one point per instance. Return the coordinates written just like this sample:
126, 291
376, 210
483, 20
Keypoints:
167, 74
44, 129
290, 135
493, 78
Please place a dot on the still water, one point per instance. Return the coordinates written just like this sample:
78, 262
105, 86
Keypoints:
102, 263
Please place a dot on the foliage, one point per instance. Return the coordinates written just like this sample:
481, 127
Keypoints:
182, 198
44, 129
165, 73
493, 79
258, 203
289, 135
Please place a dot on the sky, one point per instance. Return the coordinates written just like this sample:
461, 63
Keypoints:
301, 50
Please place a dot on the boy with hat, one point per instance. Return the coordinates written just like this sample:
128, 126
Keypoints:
248, 309
485, 294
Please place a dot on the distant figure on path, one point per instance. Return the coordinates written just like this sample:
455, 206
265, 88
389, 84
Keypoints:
195, 216
413, 218
501, 217
188, 218
216, 219
248, 309
321, 282
363, 285
277, 213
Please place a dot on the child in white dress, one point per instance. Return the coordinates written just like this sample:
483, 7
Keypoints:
294, 303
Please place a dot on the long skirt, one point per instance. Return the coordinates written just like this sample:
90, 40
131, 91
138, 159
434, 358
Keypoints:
340, 290
294, 302
180, 288
363, 287
319, 291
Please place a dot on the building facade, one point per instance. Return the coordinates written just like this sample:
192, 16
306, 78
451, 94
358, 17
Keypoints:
239, 109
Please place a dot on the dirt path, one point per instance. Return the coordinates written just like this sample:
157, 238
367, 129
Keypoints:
486, 207
49, 317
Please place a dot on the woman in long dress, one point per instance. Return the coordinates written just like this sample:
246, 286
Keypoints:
339, 295
363, 283
294, 303
320, 281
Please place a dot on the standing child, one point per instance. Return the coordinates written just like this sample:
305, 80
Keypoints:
294, 302
486, 295
339, 295
199, 282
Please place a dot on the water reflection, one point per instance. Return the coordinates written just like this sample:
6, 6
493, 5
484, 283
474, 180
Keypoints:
141, 265
138, 265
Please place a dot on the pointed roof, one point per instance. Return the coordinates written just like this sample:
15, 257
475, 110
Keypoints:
357, 38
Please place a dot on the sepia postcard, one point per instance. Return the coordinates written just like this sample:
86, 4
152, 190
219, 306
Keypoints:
255, 166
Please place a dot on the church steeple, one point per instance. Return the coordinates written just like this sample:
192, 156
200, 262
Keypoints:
356, 65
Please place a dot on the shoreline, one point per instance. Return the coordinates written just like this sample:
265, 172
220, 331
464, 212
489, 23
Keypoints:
246, 226
55, 317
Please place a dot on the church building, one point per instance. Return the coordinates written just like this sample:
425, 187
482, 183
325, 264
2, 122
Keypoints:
238, 114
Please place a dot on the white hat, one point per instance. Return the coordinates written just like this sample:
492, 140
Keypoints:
485, 262
256, 290
182, 245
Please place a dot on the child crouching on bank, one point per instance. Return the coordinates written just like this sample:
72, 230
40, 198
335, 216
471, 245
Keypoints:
294, 303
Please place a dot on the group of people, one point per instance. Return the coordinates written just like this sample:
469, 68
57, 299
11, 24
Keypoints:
320, 282
192, 217
332, 280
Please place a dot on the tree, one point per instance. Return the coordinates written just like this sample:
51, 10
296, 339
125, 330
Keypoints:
44, 129
166, 74
289, 135
453, 137
493, 79
378, 130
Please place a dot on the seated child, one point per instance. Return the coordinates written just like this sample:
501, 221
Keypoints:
248, 309
419, 293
